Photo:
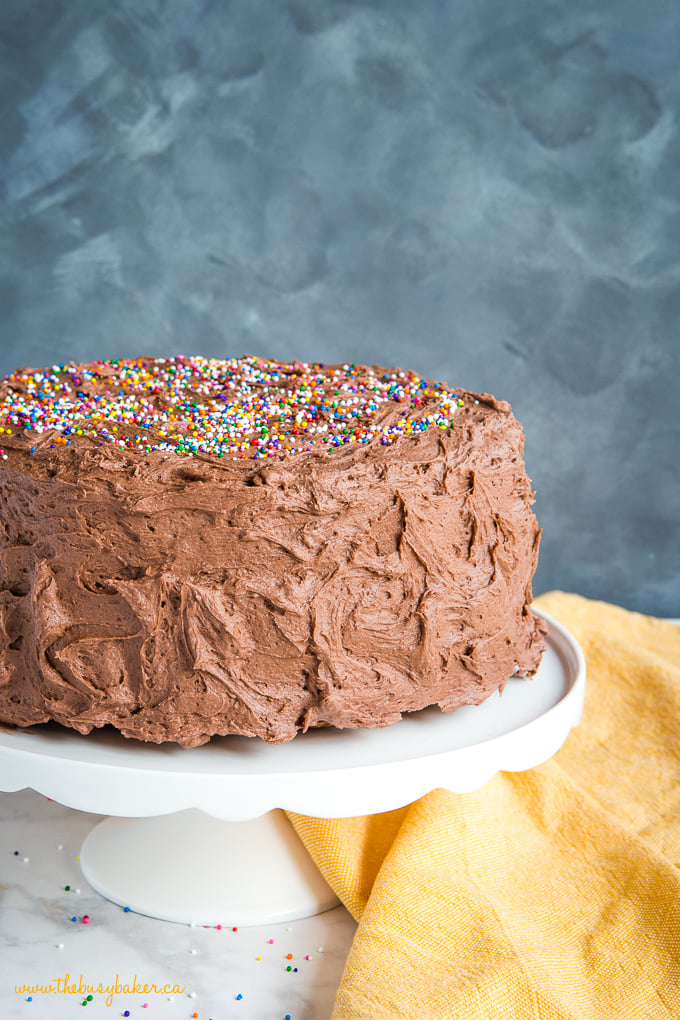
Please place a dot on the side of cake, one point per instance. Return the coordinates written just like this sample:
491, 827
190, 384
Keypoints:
193, 547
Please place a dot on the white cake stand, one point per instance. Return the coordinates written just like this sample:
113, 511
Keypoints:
199, 835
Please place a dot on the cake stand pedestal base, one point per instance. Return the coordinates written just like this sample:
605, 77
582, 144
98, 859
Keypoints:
194, 869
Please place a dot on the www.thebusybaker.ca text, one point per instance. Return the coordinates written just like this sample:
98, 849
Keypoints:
67, 986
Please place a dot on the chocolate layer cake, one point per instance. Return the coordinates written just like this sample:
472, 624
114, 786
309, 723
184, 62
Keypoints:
193, 547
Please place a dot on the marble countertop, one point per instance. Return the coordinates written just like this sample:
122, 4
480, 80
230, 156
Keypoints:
39, 845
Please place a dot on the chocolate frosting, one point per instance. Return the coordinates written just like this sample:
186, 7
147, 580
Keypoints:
176, 596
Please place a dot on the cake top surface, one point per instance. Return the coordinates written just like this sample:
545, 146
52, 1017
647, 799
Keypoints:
241, 408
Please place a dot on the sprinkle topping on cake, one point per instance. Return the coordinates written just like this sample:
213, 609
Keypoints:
244, 407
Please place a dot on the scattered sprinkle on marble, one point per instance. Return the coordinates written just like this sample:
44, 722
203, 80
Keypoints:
239, 996
126, 910
86, 919
26, 860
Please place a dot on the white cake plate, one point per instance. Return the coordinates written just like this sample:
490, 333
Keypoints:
199, 835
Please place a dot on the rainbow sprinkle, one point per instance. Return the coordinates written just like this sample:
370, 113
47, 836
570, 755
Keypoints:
243, 408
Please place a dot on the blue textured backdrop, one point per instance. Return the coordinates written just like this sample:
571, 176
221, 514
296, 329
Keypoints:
486, 192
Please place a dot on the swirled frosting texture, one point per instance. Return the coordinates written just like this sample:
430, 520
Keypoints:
177, 595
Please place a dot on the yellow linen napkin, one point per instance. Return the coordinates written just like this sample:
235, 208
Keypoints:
552, 894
